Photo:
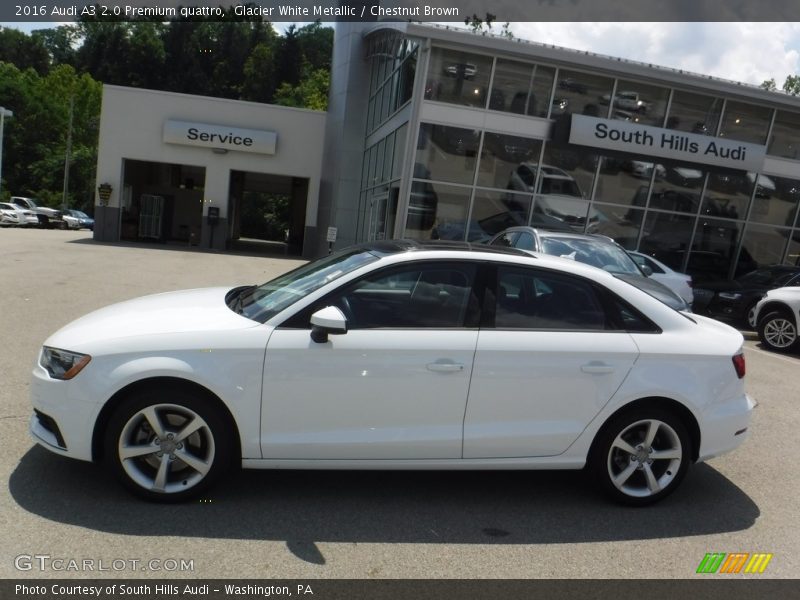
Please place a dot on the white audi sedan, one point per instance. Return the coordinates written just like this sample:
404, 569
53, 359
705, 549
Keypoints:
396, 355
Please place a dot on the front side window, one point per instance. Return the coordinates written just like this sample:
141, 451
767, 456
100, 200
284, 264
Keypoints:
530, 299
433, 295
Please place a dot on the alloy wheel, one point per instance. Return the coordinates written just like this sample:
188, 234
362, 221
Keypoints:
166, 448
645, 458
780, 332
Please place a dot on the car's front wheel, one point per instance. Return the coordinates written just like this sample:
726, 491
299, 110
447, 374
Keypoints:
778, 331
641, 456
167, 446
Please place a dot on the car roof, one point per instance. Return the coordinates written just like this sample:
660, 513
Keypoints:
389, 247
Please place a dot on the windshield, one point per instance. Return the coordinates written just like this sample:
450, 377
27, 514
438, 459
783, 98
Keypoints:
596, 253
263, 302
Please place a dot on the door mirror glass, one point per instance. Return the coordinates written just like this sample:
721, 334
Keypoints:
327, 321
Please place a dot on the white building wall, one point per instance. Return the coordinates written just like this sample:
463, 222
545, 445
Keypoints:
131, 127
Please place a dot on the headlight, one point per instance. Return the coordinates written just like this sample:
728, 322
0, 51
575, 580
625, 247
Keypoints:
61, 364
730, 295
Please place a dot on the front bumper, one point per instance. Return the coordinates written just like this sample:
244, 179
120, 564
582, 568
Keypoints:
64, 417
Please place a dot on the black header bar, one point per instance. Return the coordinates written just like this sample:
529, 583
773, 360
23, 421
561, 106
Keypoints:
456, 11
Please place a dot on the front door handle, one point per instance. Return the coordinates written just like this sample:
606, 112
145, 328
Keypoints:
597, 368
445, 367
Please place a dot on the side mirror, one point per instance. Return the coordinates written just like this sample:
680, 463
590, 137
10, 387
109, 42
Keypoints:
646, 270
327, 321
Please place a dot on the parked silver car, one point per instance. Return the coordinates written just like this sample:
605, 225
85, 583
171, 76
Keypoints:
596, 250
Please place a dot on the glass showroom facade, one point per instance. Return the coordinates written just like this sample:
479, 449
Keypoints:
462, 141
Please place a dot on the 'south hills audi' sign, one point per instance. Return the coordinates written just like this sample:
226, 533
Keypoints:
646, 140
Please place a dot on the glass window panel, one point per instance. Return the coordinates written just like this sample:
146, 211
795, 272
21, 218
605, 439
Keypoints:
581, 93
762, 246
377, 164
458, 77
407, 72
784, 141
619, 223
694, 113
793, 253
639, 103
776, 200
624, 181
746, 122
447, 153
502, 155
399, 151
494, 211
511, 89
539, 105
666, 236
728, 194
562, 188
388, 158
677, 188
713, 249
437, 211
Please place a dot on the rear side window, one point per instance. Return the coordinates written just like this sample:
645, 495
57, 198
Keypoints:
532, 299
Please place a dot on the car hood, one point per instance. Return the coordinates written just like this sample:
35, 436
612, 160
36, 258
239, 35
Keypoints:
655, 289
198, 310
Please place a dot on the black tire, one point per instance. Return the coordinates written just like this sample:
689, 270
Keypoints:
155, 469
746, 320
608, 459
777, 330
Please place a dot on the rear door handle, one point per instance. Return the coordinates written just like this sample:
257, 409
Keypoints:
445, 367
597, 368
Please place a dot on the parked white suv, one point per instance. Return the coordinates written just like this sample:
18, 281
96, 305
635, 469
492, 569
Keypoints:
776, 316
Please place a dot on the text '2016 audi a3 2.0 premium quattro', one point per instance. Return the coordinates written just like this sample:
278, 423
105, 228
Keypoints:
396, 355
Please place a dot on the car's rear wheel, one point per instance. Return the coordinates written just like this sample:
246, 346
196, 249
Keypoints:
167, 446
641, 456
778, 331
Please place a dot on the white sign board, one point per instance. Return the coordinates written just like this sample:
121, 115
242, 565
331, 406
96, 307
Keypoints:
331, 237
220, 137
656, 142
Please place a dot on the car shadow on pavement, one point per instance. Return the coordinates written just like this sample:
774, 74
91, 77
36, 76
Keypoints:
305, 507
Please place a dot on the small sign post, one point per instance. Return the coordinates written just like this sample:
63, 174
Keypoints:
331, 238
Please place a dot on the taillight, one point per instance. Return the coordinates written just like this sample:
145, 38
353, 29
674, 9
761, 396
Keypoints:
738, 364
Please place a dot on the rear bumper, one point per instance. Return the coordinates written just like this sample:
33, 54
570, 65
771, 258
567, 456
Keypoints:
726, 426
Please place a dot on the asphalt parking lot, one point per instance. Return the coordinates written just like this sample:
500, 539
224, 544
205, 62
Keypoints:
286, 524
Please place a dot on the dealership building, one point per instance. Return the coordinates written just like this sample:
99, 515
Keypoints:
438, 133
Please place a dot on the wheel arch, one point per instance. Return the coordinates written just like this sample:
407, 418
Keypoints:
776, 306
160, 382
679, 410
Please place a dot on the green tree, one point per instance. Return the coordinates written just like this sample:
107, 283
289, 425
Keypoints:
792, 85
769, 85
311, 92
259, 74
60, 43
24, 51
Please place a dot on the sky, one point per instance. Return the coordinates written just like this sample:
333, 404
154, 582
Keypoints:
746, 52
